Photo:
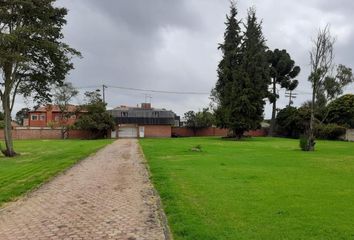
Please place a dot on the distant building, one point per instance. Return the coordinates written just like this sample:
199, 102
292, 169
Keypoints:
143, 121
49, 115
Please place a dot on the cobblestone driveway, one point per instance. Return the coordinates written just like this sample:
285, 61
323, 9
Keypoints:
106, 196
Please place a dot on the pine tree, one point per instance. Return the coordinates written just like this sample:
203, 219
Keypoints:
282, 72
243, 76
254, 83
228, 68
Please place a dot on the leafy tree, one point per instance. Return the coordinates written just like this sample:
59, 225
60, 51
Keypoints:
32, 55
199, 120
341, 111
292, 122
21, 115
282, 72
62, 97
97, 120
325, 86
242, 76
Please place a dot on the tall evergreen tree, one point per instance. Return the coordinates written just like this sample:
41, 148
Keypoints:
242, 76
228, 68
254, 83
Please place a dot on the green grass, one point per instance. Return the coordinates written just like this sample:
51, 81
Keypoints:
39, 161
259, 188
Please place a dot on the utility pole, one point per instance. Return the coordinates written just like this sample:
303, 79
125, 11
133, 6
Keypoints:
291, 96
103, 93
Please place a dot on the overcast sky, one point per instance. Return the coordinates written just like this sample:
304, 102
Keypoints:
172, 44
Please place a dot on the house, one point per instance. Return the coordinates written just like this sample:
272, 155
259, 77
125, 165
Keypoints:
50, 115
143, 121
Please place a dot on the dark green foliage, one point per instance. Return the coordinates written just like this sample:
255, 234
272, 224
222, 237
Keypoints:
329, 131
22, 114
282, 72
228, 69
341, 111
97, 120
33, 57
242, 76
199, 120
293, 122
304, 143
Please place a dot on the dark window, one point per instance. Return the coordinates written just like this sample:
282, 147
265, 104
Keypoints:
124, 114
34, 117
155, 114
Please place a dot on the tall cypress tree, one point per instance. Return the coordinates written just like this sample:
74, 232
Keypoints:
254, 84
243, 82
228, 68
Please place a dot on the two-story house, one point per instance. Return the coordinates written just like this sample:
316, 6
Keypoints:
143, 121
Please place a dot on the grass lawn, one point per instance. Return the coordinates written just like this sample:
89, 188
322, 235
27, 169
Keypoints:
259, 188
39, 161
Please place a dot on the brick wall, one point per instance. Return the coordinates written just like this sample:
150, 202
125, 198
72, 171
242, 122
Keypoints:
18, 134
212, 131
157, 131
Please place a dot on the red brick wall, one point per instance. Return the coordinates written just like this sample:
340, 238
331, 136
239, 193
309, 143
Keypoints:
187, 132
157, 131
45, 134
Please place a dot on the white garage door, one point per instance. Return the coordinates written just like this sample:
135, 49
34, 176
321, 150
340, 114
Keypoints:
127, 132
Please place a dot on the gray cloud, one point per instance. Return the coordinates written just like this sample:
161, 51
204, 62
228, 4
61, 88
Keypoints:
172, 45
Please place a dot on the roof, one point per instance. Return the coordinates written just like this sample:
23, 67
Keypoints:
55, 108
138, 115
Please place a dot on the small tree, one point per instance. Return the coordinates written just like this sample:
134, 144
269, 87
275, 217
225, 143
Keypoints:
97, 120
62, 97
199, 120
32, 55
21, 115
282, 72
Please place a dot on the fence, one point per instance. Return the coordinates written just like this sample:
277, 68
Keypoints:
45, 133
212, 131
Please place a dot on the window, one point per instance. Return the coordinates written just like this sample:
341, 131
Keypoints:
34, 117
124, 114
56, 118
42, 117
155, 114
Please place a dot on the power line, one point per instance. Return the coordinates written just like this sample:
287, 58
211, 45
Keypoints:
146, 90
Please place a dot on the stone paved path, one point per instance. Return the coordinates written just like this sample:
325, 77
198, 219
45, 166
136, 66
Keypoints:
106, 196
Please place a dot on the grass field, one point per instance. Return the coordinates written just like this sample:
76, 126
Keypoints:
259, 188
39, 161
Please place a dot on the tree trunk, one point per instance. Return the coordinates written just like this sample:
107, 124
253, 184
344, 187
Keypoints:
9, 151
311, 135
274, 111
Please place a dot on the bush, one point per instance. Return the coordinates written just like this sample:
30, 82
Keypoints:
330, 131
304, 143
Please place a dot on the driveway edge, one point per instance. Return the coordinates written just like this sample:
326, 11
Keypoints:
160, 209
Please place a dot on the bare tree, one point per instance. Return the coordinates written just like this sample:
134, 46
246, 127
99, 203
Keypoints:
62, 97
321, 57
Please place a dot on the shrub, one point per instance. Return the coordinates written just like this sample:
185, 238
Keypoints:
330, 131
304, 143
